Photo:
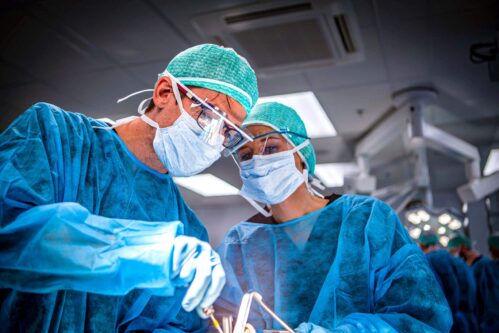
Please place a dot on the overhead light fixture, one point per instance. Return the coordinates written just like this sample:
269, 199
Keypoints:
207, 185
444, 240
444, 219
492, 164
310, 110
442, 230
426, 227
455, 224
333, 174
415, 233
414, 218
425, 217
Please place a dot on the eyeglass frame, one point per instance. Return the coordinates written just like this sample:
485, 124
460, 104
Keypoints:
283, 131
195, 99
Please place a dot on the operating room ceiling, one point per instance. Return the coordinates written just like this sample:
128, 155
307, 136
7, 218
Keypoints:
84, 55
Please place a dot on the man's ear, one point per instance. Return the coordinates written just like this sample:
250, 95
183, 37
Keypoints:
163, 93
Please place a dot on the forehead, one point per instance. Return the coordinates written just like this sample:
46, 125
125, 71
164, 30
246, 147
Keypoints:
234, 110
257, 130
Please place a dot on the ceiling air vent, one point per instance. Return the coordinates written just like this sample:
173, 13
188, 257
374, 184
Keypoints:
287, 35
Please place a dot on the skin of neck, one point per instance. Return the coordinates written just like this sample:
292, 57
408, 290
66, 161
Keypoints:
298, 204
138, 136
471, 255
428, 248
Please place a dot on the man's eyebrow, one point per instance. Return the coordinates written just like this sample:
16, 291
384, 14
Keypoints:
230, 106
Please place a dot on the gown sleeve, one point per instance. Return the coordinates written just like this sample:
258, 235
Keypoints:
48, 244
406, 295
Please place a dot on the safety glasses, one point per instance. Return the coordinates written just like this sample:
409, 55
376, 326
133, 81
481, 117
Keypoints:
266, 144
213, 121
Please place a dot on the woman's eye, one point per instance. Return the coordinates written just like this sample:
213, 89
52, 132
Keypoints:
246, 157
270, 150
245, 154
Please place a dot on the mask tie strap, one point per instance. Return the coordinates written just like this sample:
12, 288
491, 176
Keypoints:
117, 123
312, 190
141, 109
123, 121
133, 94
149, 121
310, 182
255, 205
301, 146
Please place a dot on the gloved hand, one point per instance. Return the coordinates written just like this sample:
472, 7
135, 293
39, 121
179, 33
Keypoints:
312, 328
196, 265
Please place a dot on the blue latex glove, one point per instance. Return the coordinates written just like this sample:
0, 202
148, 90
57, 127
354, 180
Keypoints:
309, 327
312, 328
354, 323
196, 264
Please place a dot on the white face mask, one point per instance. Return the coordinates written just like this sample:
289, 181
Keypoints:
181, 147
271, 179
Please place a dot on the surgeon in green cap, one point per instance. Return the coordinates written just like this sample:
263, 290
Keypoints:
339, 263
460, 246
95, 235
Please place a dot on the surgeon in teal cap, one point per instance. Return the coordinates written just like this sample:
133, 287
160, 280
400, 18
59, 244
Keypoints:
95, 235
460, 246
339, 263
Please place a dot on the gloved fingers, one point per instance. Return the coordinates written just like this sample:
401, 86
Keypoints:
216, 285
200, 312
199, 284
187, 270
304, 328
183, 248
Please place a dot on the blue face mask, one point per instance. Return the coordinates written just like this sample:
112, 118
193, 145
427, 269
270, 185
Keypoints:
271, 179
181, 147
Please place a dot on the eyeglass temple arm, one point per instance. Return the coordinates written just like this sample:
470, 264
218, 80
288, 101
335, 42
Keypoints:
190, 94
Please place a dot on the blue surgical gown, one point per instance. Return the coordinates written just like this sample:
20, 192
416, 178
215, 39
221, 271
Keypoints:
350, 265
486, 273
458, 285
86, 230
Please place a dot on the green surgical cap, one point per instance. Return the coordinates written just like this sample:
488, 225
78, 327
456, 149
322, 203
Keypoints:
217, 68
494, 240
283, 118
459, 240
428, 239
